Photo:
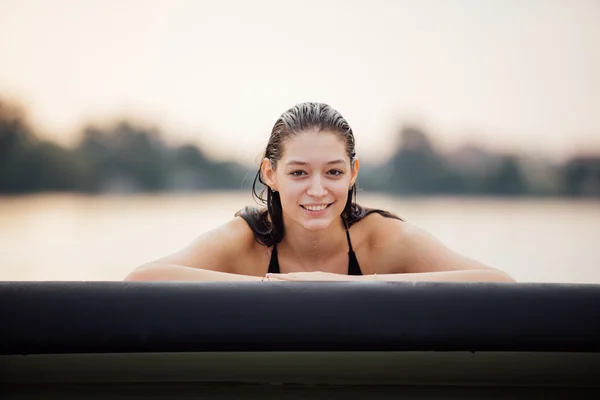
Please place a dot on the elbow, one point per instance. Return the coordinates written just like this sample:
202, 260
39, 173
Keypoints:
508, 278
495, 275
146, 273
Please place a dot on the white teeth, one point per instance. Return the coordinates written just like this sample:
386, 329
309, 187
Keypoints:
315, 208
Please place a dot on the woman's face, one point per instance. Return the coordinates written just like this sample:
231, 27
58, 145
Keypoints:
313, 178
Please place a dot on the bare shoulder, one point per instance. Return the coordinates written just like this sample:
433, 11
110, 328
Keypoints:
374, 239
390, 231
382, 234
230, 247
397, 246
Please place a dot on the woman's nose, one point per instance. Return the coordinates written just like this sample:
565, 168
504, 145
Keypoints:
316, 188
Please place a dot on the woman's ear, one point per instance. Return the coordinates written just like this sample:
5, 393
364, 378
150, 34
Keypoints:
354, 172
268, 173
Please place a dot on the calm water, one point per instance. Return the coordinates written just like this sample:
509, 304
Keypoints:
72, 237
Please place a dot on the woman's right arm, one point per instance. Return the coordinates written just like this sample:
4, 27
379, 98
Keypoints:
156, 271
216, 255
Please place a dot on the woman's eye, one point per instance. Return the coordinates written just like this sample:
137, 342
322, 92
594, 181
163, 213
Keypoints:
297, 173
336, 172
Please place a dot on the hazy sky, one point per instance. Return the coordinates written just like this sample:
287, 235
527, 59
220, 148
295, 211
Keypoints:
523, 75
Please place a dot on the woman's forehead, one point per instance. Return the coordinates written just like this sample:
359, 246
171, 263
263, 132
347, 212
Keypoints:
320, 147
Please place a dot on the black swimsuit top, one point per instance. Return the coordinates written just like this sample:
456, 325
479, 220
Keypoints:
353, 267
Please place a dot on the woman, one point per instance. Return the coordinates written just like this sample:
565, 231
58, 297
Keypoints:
312, 228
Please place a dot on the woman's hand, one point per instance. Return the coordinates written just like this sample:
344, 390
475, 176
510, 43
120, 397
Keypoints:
316, 276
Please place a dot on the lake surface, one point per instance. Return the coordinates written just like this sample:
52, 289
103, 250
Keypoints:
89, 238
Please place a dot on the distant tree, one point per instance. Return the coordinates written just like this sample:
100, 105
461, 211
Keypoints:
418, 168
189, 169
28, 164
123, 157
16, 141
580, 176
506, 180
51, 168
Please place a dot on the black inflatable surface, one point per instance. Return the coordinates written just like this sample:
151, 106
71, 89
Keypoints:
128, 317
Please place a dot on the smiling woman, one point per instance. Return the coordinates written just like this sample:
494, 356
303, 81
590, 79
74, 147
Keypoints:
312, 229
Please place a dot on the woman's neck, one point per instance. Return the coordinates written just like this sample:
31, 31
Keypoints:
314, 245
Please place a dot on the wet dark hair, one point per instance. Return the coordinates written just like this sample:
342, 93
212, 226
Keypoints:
268, 224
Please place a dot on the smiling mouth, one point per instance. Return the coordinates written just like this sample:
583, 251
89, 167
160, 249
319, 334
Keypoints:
316, 208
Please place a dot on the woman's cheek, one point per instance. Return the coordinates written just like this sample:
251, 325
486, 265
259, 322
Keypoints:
340, 187
295, 190
293, 194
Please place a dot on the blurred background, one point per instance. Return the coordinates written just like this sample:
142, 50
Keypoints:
129, 128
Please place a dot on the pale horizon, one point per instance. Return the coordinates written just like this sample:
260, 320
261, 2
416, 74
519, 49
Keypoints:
518, 76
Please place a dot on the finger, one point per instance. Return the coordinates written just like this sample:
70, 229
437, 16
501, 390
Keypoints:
275, 277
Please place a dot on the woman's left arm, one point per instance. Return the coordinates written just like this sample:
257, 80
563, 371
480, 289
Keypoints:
475, 275
478, 275
410, 253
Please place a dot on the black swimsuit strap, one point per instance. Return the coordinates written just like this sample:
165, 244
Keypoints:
353, 266
274, 262
350, 250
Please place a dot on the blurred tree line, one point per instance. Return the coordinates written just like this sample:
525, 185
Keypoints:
129, 158
120, 158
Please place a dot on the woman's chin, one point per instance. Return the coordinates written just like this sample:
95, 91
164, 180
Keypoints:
316, 224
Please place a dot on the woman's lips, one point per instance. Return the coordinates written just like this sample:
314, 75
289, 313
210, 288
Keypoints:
319, 210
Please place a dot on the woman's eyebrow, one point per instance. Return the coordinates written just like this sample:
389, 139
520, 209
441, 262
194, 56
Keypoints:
294, 162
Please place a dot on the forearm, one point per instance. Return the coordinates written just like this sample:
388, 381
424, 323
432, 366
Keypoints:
169, 272
475, 275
